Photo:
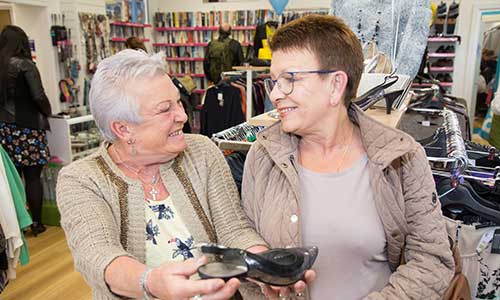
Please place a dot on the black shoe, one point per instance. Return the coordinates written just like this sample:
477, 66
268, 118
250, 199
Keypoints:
280, 267
37, 228
441, 49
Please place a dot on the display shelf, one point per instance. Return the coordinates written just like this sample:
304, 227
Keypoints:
184, 74
73, 138
441, 55
199, 91
180, 44
119, 39
203, 28
184, 58
443, 39
129, 24
421, 85
441, 69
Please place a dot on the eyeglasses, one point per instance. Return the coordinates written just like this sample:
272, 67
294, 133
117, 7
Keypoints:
285, 80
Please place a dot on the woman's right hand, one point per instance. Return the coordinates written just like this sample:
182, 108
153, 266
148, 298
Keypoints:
170, 281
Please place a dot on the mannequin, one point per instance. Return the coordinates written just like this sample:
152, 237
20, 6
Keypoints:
400, 28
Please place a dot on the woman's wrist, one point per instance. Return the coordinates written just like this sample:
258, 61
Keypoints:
145, 284
152, 283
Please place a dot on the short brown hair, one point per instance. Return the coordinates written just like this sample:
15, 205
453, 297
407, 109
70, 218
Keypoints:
135, 43
331, 40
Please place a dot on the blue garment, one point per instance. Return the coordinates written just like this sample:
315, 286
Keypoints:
414, 19
19, 197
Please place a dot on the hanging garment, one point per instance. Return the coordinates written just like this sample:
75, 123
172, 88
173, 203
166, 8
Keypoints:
492, 39
222, 109
4, 264
481, 269
13, 213
236, 162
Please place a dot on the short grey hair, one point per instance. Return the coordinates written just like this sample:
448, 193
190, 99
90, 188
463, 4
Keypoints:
108, 99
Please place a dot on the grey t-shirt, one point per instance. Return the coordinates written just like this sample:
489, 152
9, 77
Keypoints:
339, 216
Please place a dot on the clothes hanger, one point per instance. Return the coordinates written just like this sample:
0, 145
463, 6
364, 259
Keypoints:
464, 196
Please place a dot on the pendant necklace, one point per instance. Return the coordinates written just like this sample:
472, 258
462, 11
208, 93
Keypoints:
154, 180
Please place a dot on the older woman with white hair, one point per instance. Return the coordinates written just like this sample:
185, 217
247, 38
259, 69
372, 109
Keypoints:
134, 210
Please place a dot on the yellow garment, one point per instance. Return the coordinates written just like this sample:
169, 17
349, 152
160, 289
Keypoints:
270, 32
434, 10
265, 51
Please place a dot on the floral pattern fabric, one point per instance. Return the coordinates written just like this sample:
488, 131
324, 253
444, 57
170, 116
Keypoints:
167, 237
25, 146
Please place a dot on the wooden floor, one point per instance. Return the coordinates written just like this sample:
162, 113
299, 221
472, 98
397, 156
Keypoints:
50, 274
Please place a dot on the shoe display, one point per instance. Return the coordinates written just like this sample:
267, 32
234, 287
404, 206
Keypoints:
443, 63
279, 267
441, 49
450, 49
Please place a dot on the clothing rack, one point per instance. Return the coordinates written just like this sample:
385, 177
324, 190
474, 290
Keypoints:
454, 141
456, 161
237, 138
249, 75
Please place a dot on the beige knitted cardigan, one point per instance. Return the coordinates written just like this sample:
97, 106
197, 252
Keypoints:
102, 210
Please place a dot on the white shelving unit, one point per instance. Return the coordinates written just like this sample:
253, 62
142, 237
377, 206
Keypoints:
62, 138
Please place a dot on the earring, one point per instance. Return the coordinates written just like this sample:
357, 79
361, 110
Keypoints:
133, 150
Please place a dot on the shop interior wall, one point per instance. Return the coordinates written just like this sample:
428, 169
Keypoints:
35, 21
71, 9
197, 5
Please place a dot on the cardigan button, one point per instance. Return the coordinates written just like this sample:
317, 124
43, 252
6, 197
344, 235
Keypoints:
284, 165
294, 218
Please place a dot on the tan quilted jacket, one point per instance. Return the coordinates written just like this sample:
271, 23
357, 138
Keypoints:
404, 193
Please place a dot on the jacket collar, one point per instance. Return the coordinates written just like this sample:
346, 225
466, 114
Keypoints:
383, 144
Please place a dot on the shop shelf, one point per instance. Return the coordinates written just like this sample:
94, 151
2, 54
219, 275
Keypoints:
184, 58
441, 55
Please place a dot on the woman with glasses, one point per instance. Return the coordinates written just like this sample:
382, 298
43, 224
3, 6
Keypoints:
329, 175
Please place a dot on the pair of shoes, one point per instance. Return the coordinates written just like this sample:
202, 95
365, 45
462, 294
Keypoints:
445, 49
444, 77
37, 228
443, 63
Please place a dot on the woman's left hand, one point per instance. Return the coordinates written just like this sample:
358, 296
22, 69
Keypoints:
296, 291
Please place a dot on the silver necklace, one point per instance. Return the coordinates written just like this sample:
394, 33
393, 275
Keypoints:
154, 192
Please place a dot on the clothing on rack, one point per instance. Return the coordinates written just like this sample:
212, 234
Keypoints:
13, 214
420, 123
221, 110
215, 116
481, 269
236, 162
4, 265
491, 39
